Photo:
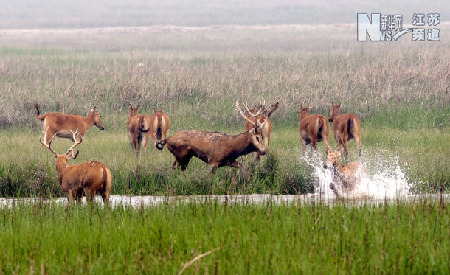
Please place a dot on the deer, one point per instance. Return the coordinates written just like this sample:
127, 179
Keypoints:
345, 128
313, 128
215, 148
86, 178
262, 117
138, 127
62, 125
345, 178
159, 126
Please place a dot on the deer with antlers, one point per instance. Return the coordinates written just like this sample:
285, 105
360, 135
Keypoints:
261, 114
345, 128
159, 126
86, 178
214, 148
138, 127
313, 128
63, 125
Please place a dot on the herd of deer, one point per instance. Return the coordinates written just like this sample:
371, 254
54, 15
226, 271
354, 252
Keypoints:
215, 148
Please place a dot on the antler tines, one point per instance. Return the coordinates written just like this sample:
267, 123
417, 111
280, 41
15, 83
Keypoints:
74, 156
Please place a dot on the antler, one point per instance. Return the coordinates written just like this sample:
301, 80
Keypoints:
48, 145
273, 108
251, 113
75, 144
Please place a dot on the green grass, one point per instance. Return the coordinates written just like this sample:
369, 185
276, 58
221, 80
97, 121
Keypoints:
296, 238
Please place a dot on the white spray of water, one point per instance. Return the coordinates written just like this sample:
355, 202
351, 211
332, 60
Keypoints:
385, 179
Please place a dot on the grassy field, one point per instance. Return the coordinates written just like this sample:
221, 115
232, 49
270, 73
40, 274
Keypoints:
399, 90
195, 59
229, 239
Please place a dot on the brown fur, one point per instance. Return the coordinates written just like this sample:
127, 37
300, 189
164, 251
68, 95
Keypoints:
159, 126
345, 128
263, 117
345, 178
216, 149
138, 129
63, 125
86, 178
313, 129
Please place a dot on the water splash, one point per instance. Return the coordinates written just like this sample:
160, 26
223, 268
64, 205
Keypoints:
385, 179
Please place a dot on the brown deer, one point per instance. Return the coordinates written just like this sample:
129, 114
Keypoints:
88, 177
262, 117
345, 128
138, 129
313, 129
159, 126
345, 178
63, 125
216, 149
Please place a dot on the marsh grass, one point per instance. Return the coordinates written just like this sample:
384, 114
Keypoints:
399, 90
294, 238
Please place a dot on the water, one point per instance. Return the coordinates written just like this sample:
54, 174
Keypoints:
384, 180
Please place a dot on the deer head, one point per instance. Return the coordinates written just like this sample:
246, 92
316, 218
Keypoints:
133, 111
335, 110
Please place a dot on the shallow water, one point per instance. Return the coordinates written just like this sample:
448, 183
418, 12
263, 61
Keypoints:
385, 183
385, 179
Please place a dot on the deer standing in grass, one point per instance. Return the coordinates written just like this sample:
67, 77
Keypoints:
63, 125
214, 148
262, 118
345, 128
313, 129
138, 127
345, 178
86, 178
159, 126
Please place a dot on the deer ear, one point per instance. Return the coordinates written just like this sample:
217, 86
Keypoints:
329, 151
154, 111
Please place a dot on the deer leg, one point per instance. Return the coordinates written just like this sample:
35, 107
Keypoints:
70, 196
303, 146
358, 142
314, 143
175, 164
212, 168
49, 136
88, 192
345, 150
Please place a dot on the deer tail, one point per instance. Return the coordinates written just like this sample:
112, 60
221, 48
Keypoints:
350, 124
159, 130
160, 144
36, 106
143, 124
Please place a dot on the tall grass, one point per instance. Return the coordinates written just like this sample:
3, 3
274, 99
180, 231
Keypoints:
399, 91
252, 239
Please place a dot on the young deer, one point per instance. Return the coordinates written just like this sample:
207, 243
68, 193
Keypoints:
345, 178
313, 129
345, 128
159, 126
88, 177
63, 125
138, 127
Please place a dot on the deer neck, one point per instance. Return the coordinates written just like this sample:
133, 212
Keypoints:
89, 120
336, 114
61, 168
244, 143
